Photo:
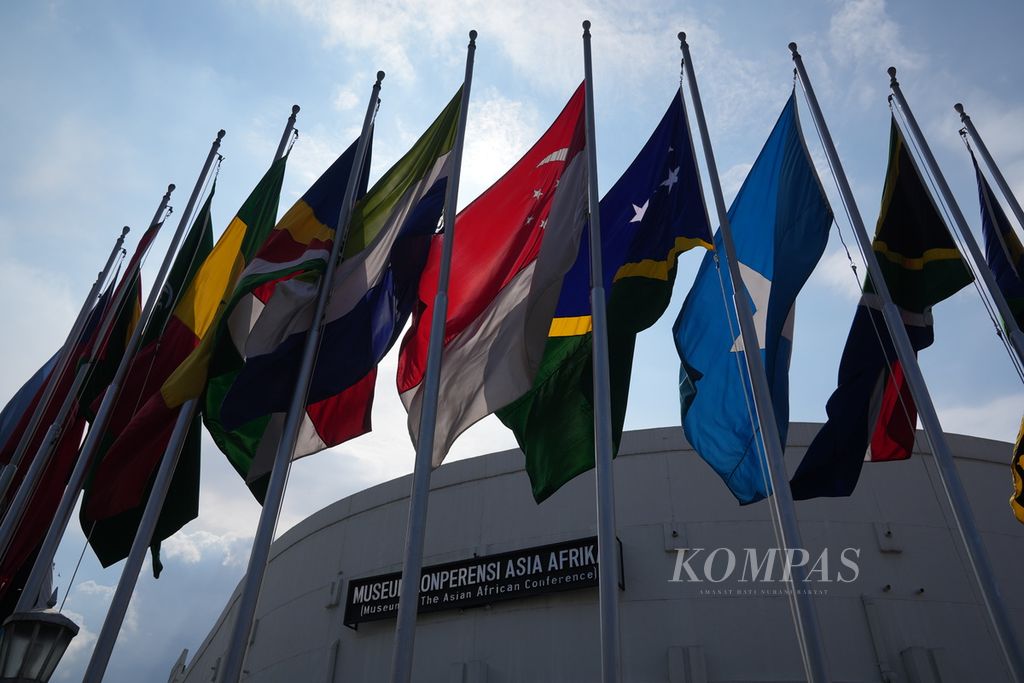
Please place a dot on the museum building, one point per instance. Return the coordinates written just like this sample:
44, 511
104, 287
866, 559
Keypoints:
508, 592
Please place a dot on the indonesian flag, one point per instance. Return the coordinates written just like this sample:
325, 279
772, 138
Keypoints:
512, 246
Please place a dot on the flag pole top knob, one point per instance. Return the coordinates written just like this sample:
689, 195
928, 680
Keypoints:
220, 134
125, 230
380, 76
792, 48
682, 38
295, 109
472, 37
959, 109
892, 75
170, 188
586, 26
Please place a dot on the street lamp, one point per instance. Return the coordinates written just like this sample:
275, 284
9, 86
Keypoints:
32, 645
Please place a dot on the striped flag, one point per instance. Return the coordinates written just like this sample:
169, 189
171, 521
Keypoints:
512, 247
372, 297
181, 354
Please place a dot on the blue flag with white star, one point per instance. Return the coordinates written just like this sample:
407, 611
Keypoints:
651, 214
780, 221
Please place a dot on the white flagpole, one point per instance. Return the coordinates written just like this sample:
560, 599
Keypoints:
926, 410
608, 574
805, 615
11, 468
1004, 187
154, 505
412, 564
958, 500
247, 601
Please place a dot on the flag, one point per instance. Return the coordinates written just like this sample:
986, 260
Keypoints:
23, 404
780, 221
122, 479
372, 296
105, 351
654, 212
1017, 467
871, 414
1003, 251
111, 537
512, 247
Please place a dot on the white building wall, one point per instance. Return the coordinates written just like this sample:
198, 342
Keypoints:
912, 615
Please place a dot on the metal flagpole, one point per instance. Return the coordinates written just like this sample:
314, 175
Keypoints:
246, 611
958, 500
412, 563
1012, 328
1016, 337
1004, 187
154, 505
92, 441
58, 369
926, 410
608, 574
804, 612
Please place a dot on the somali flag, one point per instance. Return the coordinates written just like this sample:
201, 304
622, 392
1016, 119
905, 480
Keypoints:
780, 221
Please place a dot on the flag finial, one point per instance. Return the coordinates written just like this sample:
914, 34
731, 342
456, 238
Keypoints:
170, 188
380, 76
586, 27
295, 109
472, 38
125, 230
220, 134
959, 109
892, 76
792, 48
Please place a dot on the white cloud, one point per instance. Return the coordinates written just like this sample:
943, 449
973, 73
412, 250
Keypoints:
499, 131
193, 547
78, 652
865, 41
833, 273
997, 419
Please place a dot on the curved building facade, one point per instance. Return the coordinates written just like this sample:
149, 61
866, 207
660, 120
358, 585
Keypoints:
509, 586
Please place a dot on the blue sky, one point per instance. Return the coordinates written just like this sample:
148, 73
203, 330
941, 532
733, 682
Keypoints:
105, 103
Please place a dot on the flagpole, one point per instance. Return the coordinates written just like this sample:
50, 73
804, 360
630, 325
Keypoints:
96, 430
608, 574
412, 563
1016, 337
997, 175
958, 500
258, 556
154, 506
804, 612
994, 604
11, 468
1012, 328
289, 127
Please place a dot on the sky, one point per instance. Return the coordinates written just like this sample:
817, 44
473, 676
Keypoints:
105, 103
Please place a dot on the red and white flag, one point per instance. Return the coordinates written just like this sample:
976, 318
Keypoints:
513, 245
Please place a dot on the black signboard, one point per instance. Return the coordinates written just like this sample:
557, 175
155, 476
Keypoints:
480, 580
